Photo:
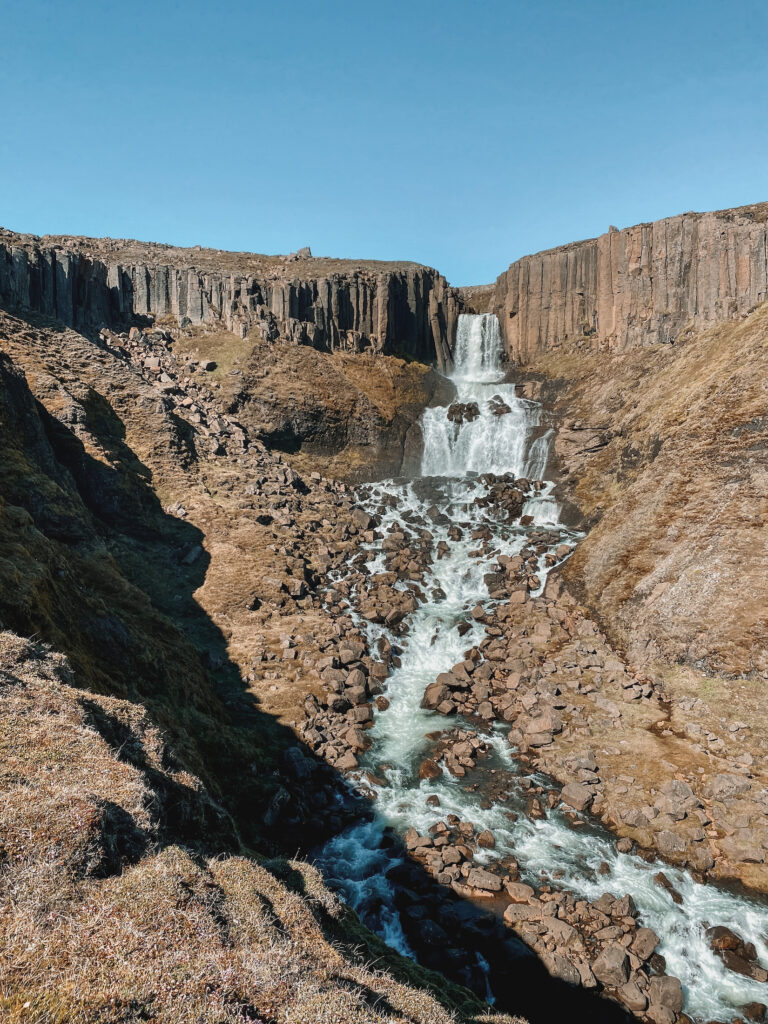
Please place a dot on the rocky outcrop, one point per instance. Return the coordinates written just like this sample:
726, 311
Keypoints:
328, 304
477, 298
637, 287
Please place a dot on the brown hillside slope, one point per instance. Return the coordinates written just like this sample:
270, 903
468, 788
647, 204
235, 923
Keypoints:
664, 451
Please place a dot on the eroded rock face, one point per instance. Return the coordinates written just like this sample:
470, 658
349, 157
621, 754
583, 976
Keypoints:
328, 304
637, 287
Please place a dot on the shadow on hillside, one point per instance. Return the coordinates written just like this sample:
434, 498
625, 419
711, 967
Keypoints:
147, 640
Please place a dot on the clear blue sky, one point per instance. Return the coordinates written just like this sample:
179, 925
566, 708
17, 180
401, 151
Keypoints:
458, 134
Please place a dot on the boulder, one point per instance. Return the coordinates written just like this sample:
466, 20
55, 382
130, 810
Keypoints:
517, 912
519, 892
361, 519
451, 855
434, 695
661, 880
755, 1012
644, 943
737, 955
612, 966
670, 844
561, 967
429, 769
479, 878
680, 794
665, 993
633, 998
577, 796
725, 787
347, 762
743, 850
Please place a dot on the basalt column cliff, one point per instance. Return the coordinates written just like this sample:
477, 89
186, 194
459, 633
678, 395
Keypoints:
328, 304
637, 287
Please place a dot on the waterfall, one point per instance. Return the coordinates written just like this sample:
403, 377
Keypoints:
497, 432
478, 350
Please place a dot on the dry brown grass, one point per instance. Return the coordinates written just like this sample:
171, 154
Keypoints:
104, 921
678, 555
227, 350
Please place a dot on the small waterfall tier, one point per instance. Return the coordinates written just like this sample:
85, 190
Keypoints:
488, 428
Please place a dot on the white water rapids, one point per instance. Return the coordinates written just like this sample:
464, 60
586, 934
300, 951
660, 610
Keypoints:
354, 862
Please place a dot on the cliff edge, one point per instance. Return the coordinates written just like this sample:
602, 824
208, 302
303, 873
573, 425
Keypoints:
637, 287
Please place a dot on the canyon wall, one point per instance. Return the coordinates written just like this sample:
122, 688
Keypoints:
328, 304
640, 286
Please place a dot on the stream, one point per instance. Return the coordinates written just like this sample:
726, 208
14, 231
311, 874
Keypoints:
354, 862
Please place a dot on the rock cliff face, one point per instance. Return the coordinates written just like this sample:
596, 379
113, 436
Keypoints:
637, 287
328, 304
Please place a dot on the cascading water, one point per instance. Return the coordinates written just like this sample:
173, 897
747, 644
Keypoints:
500, 437
504, 435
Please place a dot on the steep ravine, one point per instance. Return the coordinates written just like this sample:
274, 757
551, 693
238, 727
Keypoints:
503, 694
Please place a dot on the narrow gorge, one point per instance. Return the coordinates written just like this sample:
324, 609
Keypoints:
400, 650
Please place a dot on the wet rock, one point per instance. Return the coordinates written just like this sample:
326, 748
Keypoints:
413, 841
737, 955
485, 840
429, 769
434, 695
661, 880
498, 407
463, 412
